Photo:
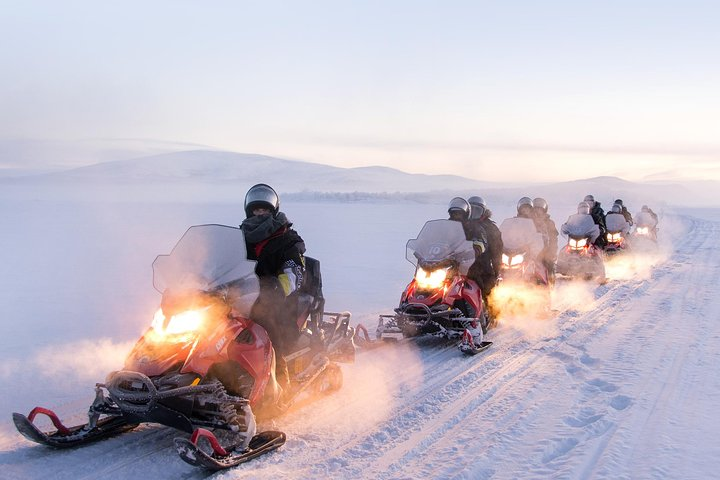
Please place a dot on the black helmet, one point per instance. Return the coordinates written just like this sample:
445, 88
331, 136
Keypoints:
619, 202
477, 207
590, 200
584, 208
459, 204
617, 208
261, 195
524, 202
540, 203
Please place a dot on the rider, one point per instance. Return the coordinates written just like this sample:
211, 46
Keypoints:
459, 211
489, 262
647, 209
625, 211
280, 267
648, 218
547, 227
598, 216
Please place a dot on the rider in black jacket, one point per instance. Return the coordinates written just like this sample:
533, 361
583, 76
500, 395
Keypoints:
598, 215
280, 267
488, 264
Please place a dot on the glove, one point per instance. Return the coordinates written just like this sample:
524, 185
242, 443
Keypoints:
292, 277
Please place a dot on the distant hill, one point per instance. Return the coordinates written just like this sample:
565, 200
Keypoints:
228, 168
211, 176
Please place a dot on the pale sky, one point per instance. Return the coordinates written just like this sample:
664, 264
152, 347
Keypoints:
503, 90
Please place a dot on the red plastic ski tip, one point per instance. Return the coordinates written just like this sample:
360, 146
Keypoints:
201, 432
361, 328
62, 429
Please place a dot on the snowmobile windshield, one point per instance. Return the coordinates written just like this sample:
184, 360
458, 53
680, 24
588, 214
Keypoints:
441, 240
205, 258
615, 222
644, 219
579, 225
520, 235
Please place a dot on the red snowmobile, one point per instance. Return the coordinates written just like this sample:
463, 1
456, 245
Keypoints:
203, 366
440, 300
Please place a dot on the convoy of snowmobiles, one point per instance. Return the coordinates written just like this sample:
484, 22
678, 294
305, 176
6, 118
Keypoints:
204, 367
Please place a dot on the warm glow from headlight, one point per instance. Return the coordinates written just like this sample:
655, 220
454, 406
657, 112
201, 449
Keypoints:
185, 322
614, 237
517, 260
577, 244
431, 280
642, 230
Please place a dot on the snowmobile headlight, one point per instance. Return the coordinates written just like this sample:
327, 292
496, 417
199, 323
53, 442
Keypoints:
642, 230
614, 237
182, 323
431, 279
517, 259
505, 260
577, 244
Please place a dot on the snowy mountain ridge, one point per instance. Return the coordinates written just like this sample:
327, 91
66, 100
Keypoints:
210, 175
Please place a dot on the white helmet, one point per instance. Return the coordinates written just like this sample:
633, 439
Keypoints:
584, 208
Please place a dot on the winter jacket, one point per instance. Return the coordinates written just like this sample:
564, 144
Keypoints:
627, 215
598, 215
280, 267
546, 226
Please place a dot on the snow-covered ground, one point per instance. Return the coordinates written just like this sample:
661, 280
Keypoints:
621, 382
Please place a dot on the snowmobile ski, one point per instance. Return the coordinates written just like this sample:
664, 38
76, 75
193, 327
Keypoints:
221, 458
475, 349
68, 437
469, 347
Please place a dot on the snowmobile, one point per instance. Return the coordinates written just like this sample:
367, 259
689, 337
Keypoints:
524, 282
204, 367
616, 242
519, 267
644, 237
581, 258
616, 236
440, 300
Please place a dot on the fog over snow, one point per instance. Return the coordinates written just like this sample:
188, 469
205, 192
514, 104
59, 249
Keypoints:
621, 381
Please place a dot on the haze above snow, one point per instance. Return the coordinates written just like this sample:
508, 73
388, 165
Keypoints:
209, 175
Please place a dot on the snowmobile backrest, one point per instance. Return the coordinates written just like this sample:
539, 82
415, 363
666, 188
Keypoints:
312, 284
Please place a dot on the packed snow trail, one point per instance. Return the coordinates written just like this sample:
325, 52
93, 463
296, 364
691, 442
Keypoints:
621, 383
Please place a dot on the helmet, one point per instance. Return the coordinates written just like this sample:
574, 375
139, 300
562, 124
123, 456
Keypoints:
616, 208
458, 204
619, 202
540, 203
524, 202
261, 195
477, 207
584, 208
645, 208
590, 200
